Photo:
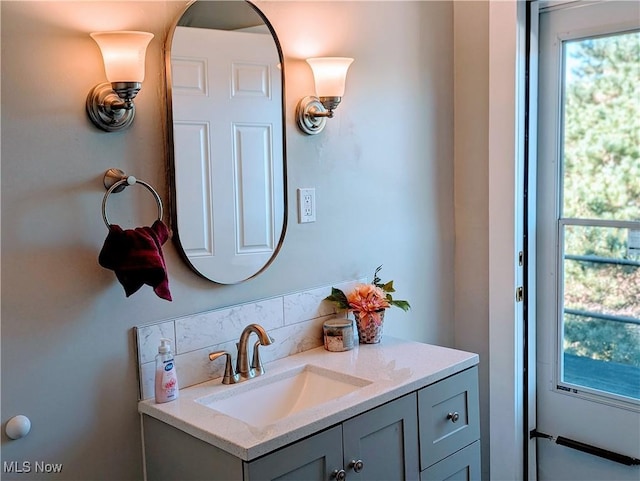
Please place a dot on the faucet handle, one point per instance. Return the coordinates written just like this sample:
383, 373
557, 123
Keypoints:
256, 362
230, 377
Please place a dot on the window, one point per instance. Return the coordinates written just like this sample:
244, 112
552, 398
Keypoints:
599, 222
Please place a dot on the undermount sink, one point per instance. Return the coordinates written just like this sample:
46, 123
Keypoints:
266, 400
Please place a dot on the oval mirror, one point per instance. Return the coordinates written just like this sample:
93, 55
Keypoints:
225, 85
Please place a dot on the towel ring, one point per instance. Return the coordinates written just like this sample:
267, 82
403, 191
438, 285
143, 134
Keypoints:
115, 180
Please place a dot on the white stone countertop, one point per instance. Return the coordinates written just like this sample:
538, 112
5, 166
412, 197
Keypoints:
394, 368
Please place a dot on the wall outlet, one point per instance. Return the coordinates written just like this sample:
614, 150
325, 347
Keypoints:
306, 205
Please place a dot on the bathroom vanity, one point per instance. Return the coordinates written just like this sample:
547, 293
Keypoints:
390, 411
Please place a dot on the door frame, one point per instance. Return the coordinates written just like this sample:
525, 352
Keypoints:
507, 109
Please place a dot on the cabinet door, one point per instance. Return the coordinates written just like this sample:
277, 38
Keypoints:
312, 459
463, 465
172, 454
449, 416
385, 440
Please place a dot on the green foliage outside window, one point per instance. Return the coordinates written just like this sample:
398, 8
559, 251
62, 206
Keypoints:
601, 180
602, 129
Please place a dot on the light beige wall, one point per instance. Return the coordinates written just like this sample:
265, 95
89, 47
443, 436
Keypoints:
383, 173
471, 164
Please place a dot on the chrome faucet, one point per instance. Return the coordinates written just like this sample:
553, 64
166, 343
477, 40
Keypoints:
242, 362
243, 370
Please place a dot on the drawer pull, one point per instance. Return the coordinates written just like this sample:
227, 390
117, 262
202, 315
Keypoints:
340, 475
453, 417
357, 465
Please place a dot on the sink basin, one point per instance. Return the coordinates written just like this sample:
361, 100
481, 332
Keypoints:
266, 400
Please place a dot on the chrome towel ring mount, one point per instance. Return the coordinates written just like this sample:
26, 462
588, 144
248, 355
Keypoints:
115, 180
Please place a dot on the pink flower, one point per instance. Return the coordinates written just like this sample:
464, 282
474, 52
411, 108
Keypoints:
368, 301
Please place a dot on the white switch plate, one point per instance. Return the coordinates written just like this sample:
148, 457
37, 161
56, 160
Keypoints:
306, 205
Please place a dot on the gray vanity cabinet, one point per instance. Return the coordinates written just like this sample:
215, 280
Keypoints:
381, 444
314, 458
449, 419
385, 440
429, 434
463, 465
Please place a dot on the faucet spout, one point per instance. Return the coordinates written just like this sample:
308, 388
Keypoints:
243, 369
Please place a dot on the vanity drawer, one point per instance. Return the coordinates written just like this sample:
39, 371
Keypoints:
463, 465
448, 416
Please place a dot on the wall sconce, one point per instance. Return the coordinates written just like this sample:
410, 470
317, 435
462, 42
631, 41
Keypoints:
110, 105
330, 74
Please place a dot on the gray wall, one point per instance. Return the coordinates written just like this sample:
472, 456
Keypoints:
383, 173
471, 166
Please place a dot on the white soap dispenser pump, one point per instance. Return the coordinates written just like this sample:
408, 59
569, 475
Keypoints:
166, 386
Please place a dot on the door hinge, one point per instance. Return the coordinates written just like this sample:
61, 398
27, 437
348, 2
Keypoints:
520, 258
519, 294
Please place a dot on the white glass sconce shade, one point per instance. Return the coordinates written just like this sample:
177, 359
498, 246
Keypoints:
110, 105
330, 75
124, 54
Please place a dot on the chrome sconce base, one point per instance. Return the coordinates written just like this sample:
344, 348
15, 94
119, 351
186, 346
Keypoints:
312, 113
110, 105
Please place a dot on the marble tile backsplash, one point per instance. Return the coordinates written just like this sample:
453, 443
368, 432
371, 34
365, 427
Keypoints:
293, 320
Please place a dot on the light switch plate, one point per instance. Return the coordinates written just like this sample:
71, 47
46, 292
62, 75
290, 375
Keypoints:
306, 205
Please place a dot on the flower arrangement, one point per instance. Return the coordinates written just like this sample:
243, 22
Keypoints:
368, 301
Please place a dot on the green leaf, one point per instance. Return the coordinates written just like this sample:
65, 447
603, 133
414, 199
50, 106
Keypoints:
388, 287
338, 298
376, 279
404, 305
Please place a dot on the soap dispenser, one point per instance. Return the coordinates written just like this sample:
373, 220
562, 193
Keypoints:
166, 386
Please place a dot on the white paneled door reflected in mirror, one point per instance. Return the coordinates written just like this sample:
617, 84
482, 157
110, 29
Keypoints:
226, 139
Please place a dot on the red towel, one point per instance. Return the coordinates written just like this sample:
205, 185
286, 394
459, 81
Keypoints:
135, 255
